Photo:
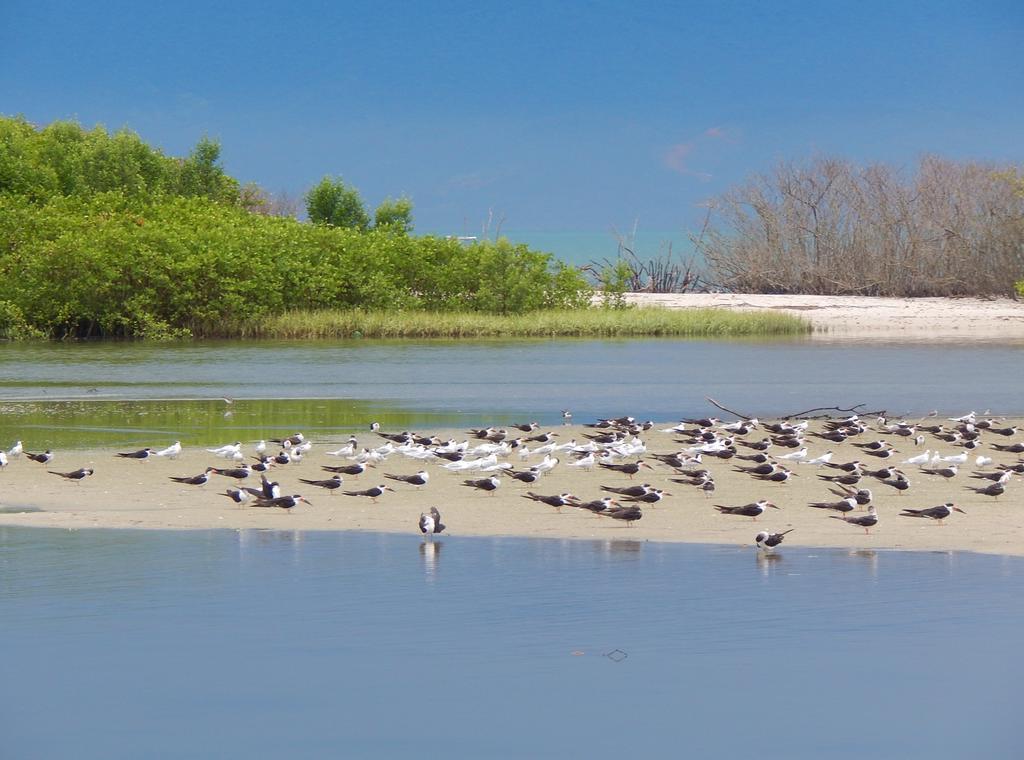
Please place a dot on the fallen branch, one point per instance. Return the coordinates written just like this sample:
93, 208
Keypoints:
809, 413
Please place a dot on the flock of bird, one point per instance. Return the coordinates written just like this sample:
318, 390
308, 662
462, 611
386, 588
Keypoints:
616, 447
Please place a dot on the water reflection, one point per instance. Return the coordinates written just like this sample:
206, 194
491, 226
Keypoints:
870, 558
430, 552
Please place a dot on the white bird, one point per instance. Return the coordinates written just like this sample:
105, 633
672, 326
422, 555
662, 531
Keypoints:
960, 458
15, 450
547, 465
586, 462
345, 451
823, 459
920, 458
983, 461
3, 459
227, 450
796, 455
261, 447
171, 452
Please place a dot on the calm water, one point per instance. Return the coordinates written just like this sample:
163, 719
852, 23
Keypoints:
278, 644
336, 387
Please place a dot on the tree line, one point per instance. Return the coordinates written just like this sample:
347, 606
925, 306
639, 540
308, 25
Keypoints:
102, 235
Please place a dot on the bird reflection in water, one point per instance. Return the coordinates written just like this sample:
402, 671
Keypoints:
430, 551
621, 546
766, 562
870, 557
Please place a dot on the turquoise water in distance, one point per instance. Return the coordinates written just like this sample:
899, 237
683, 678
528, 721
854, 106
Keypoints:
273, 643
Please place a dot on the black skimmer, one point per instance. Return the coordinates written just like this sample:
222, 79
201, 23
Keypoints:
854, 466
998, 475
238, 473
945, 472
484, 484
630, 468
171, 452
763, 445
862, 495
598, 505
769, 541
626, 514
900, 482
850, 479
779, 476
238, 495
79, 474
542, 438
267, 489
843, 505
1008, 431
140, 454
193, 480
346, 469
767, 468
45, 458
527, 427
1012, 448
527, 476
421, 478
994, 490
431, 523
373, 493
874, 446
653, 496
864, 521
756, 458
330, 484
558, 501
882, 473
747, 510
630, 491
404, 437
374, 427
566, 416
292, 440
283, 502
939, 513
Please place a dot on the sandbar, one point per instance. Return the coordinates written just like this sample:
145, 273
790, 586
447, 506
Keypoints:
139, 494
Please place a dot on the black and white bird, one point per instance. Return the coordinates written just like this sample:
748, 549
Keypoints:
346, 469
140, 454
372, 493
490, 484
843, 505
939, 513
431, 523
768, 541
238, 473
558, 500
282, 502
627, 515
45, 458
79, 474
194, 480
866, 522
238, 495
420, 479
754, 510
331, 484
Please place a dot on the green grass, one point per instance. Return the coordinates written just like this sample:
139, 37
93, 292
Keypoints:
556, 323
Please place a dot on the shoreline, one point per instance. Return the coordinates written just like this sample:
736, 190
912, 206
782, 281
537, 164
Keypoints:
867, 317
139, 495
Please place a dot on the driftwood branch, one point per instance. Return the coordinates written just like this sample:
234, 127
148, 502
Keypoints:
857, 409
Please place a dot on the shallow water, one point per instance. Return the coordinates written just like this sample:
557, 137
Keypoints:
224, 644
339, 386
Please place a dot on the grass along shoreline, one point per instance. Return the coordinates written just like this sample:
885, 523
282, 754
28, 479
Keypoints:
634, 322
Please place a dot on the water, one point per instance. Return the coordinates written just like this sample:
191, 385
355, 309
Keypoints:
335, 387
269, 644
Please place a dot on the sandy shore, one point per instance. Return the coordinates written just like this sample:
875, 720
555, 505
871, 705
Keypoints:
138, 494
865, 317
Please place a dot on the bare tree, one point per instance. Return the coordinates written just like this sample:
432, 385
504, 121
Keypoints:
830, 227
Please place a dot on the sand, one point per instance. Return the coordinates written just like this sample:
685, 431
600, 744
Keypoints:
138, 494
839, 317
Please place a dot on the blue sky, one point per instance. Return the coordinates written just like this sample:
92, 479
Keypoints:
565, 119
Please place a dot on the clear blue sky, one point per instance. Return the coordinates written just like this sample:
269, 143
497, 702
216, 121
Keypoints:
561, 117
